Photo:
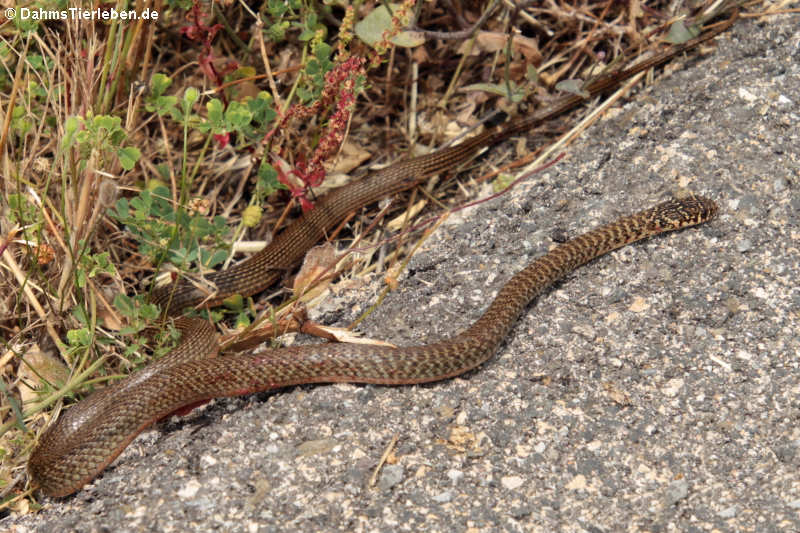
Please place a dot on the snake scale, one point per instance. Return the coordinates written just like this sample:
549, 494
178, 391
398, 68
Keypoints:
90, 435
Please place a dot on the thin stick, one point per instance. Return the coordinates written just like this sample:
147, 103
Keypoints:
383, 459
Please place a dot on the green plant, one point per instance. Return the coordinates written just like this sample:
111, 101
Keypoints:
154, 221
92, 265
100, 136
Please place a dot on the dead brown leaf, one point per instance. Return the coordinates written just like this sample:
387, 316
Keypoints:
318, 262
491, 41
39, 365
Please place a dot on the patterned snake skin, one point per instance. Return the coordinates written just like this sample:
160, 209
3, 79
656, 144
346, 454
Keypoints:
288, 248
91, 434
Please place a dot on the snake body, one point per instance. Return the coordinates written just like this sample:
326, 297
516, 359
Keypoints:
288, 248
91, 434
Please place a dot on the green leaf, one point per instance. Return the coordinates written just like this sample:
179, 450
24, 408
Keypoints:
216, 258
268, 179
237, 116
242, 320
159, 84
79, 337
121, 211
261, 108
71, 126
149, 311
190, 96
277, 8
79, 312
573, 87
277, 32
306, 35
26, 24
234, 302
36, 61
164, 105
124, 304
679, 33
531, 74
128, 157
322, 51
107, 122
80, 278
214, 108
117, 136
500, 89
370, 29
304, 94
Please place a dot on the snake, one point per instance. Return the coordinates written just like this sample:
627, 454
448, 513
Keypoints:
88, 436
287, 249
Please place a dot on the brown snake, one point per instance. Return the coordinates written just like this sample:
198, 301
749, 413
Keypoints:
288, 248
90, 435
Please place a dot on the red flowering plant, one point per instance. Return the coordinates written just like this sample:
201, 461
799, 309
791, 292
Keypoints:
338, 92
199, 30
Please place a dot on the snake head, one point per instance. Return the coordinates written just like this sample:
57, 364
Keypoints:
682, 213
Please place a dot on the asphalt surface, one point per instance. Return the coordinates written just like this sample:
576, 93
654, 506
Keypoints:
656, 389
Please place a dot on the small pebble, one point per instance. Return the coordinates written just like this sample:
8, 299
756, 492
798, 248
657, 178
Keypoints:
744, 245
444, 497
455, 475
676, 491
390, 476
512, 482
